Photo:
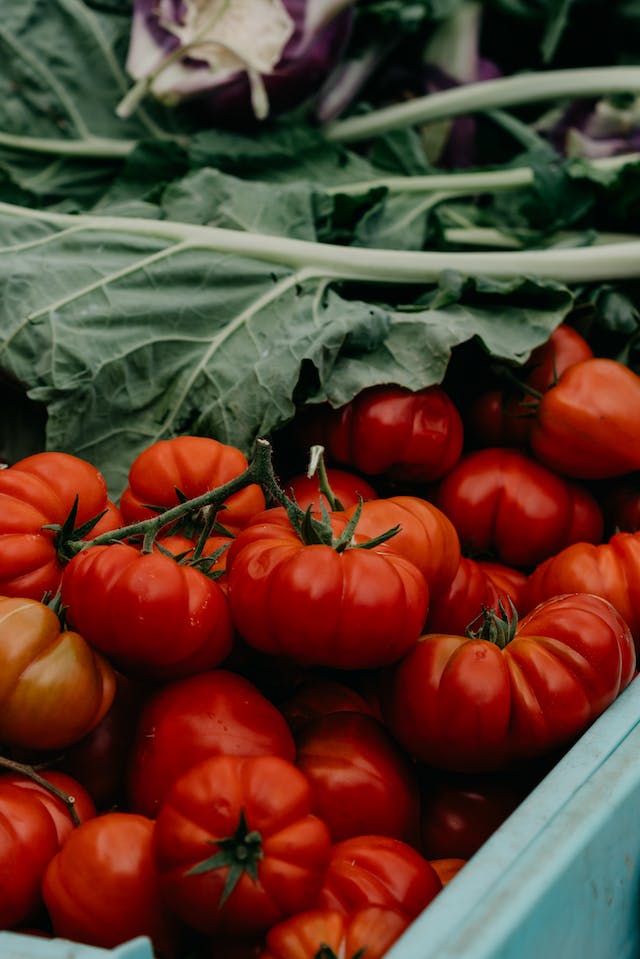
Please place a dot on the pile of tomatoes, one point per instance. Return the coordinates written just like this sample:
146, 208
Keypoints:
272, 718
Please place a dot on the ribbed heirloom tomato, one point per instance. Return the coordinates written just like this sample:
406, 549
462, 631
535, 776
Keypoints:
329, 933
39, 491
237, 846
154, 618
500, 500
472, 704
188, 466
347, 607
54, 687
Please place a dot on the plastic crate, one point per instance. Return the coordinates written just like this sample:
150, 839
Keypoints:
560, 877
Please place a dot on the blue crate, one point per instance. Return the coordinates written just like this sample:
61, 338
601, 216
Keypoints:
561, 876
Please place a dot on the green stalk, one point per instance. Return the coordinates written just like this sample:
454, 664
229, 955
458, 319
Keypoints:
487, 95
620, 260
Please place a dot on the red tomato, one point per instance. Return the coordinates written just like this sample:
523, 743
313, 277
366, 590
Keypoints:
475, 705
391, 431
459, 606
622, 506
327, 932
348, 488
502, 501
459, 813
212, 714
587, 426
356, 609
236, 844
102, 887
360, 780
54, 687
57, 808
610, 570
510, 581
321, 697
38, 491
193, 465
500, 418
152, 617
28, 841
378, 871
426, 536
99, 760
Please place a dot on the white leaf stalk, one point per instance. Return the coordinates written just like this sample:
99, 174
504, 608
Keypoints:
487, 95
609, 261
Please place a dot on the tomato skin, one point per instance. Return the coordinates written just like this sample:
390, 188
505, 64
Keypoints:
211, 714
622, 506
99, 760
427, 537
587, 425
360, 780
152, 617
378, 871
322, 697
393, 432
459, 813
498, 418
610, 570
511, 582
347, 487
193, 465
500, 500
351, 610
302, 936
54, 687
457, 608
37, 491
57, 809
469, 706
205, 804
102, 887
448, 868
28, 841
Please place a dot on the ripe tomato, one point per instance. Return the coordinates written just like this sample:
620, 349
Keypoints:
499, 500
99, 760
347, 487
610, 570
327, 932
321, 697
38, 491
426, 536
237, 846
460, 605
57, 809
214, 713
378, 871
459, 813
28, 841
183, 547
356, 609
587, 425
475, 705
193, 465
447, 869
393, 432
512, 582
54, 687
102, 887
153, 617
503, 418
361, 781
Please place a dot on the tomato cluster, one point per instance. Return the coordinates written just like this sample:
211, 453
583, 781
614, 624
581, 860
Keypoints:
288, 713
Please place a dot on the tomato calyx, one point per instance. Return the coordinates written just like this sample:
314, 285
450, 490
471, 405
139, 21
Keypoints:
498, 628
67, 533
326, 952
240, 853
